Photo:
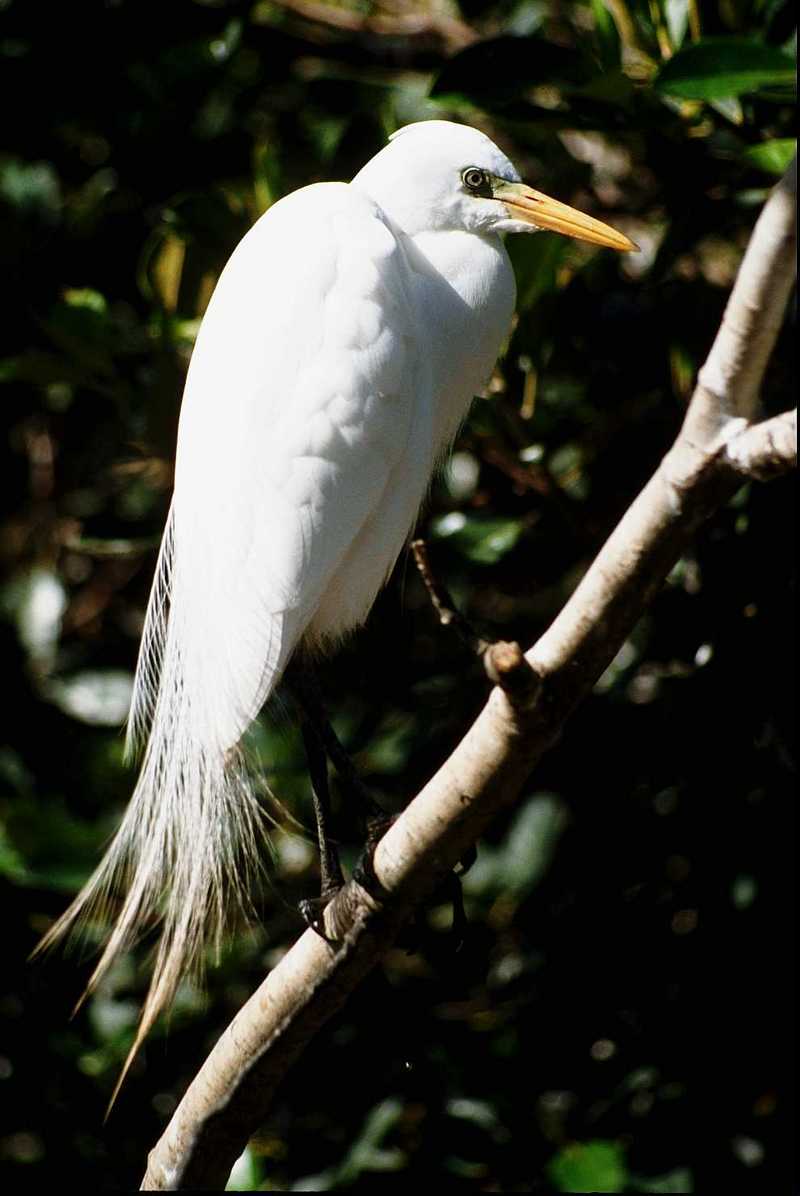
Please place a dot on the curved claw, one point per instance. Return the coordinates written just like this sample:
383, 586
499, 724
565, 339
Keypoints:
312, 910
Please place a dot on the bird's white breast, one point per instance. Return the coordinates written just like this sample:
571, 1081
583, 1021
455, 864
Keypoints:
461, 291
464, 292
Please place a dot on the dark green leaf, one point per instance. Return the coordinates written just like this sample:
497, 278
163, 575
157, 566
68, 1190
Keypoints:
678, 1181
724, 66
12, 864
610, 87
606, 33
536, 263
39, 367
503, 68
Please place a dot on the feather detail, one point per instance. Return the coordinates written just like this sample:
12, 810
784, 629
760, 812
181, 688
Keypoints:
154, 638
188, 849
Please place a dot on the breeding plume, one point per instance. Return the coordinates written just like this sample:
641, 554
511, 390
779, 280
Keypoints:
338, 356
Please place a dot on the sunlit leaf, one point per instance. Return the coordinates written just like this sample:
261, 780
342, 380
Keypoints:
676, 13
527, 17
518, 865
481, 539
30, 186
730, 107
100, 697
589, 1167
86, 297
367, 1154
37, 601
772, 156
247, 1173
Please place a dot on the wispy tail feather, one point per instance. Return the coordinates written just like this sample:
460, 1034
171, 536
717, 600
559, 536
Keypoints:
187, 851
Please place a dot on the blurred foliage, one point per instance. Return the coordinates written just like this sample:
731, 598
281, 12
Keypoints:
619, 1016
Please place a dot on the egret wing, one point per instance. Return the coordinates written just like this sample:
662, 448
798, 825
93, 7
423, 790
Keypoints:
302, 396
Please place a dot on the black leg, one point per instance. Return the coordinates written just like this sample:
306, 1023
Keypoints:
330, 869
331, 877
302, 682
375, 817
322, 744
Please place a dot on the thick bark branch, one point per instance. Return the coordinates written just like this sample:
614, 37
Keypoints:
525, 713
731, 377
767, 449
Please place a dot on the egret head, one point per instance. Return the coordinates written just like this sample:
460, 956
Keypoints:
439, 175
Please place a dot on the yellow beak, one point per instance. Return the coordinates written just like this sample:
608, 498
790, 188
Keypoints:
523, 203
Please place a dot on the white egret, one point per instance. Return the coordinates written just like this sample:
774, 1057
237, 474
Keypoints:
338, 356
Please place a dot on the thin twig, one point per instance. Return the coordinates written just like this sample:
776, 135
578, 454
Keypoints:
447, 612
505, 663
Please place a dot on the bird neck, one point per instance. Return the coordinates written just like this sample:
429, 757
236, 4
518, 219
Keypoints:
472, 264
463, 294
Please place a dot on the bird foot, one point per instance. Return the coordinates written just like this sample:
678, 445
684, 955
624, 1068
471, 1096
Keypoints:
377, 824
417, 935
312, 911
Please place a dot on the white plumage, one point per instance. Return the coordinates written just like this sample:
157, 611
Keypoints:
339, 353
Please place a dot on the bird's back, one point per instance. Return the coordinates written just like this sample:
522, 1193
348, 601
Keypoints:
307, 392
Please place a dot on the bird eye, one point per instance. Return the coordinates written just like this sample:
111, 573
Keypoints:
473, 178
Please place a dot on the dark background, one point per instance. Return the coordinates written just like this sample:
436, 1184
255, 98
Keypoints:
619, 1017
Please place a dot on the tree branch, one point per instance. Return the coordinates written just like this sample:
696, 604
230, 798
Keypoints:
525, 713
730, 380
453, 34
763, 451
